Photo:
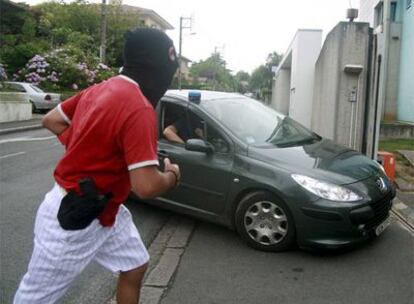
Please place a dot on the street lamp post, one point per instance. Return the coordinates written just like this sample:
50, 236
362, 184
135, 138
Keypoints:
182, 26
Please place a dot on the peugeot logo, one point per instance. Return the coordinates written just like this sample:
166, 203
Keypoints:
381, 184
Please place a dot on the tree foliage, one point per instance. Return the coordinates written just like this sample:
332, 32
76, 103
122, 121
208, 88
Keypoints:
70, 29
262, 77
212, 74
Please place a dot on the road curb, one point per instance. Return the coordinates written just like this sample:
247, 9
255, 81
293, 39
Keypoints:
160, 276
405, 213
20, 129
401, 152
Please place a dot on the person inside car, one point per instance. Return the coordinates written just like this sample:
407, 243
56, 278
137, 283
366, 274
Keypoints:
180, 131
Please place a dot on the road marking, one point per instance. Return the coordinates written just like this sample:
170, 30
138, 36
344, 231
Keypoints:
12, 154
22, 139
21, 128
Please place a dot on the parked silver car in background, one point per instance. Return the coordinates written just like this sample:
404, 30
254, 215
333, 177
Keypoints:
39, 99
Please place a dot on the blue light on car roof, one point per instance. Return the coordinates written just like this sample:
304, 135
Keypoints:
194, 96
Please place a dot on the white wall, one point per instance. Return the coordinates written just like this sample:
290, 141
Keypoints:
280, 98
294, 77
305, 52
366, 11
14, 107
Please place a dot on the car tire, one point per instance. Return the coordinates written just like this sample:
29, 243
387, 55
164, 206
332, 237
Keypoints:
265, 222
34, 109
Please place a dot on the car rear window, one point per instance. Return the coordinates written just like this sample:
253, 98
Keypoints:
36, 89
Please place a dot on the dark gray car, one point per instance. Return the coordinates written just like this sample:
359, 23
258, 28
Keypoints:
264, 174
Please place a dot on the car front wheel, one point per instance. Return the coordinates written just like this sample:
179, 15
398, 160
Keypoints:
265, 222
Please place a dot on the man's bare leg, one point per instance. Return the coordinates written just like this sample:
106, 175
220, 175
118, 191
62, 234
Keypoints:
129, 285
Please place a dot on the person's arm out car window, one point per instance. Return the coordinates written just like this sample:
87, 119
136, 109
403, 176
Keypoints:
171, 133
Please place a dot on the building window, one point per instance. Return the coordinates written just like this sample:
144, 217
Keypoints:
409, 3
393, 11
379, 14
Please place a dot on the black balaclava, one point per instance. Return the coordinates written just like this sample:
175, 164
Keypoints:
150, 60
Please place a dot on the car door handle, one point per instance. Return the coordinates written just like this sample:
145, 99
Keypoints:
162, 154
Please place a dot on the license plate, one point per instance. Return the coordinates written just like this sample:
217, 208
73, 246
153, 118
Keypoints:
381, 227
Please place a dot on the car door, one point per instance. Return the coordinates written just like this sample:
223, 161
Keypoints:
205, 176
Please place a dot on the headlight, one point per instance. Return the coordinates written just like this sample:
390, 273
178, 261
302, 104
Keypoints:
326, 190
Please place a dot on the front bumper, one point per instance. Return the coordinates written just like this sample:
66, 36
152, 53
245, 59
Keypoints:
45, 105
333, 224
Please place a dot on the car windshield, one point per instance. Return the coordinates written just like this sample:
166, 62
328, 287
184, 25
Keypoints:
257, 124
36, 89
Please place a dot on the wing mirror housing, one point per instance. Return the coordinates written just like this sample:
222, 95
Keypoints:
199, 145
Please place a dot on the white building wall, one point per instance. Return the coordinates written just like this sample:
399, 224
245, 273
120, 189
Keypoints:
280, 98
366, 11
305, 51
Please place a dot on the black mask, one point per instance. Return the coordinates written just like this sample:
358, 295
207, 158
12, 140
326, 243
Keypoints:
150, 60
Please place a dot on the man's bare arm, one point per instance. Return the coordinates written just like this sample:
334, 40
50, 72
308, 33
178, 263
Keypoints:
171, 133
148, 182
54, 122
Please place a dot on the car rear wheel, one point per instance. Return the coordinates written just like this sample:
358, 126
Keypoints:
265, 222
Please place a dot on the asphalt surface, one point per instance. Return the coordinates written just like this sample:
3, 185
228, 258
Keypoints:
218, 268
27, 160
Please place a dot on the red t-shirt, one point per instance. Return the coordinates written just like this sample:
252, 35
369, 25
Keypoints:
112, 130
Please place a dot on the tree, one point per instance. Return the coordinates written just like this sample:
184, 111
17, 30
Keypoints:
40, 29
262, 77
242, 79
212, 74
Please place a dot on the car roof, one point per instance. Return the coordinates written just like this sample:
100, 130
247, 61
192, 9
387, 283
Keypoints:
19, 82
205, 95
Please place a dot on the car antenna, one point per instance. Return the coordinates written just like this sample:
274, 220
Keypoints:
193, 96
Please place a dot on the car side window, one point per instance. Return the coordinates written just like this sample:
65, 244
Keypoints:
177, 126
180, 125
216, 139
17, 87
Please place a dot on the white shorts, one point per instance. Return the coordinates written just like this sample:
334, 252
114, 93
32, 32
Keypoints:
60, 255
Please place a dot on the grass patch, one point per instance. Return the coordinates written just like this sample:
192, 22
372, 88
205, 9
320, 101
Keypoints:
392, 145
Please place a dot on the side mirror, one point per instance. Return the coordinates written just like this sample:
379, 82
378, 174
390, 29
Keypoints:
198, 145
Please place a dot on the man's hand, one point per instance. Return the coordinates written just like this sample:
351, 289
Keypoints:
149, 182
169, 167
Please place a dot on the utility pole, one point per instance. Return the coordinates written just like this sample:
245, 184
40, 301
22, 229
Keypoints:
102, 50
182, 26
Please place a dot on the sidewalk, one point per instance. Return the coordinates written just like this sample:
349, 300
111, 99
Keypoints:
404, 202
24, 125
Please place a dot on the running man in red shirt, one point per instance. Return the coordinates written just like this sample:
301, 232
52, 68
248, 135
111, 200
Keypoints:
110, 134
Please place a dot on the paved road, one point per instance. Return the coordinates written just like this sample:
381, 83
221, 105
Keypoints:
25, 176
218, 268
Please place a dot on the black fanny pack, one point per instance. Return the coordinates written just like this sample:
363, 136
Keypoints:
78, 211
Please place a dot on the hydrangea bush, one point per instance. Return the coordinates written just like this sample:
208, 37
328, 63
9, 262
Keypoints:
3, 74
63, 69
